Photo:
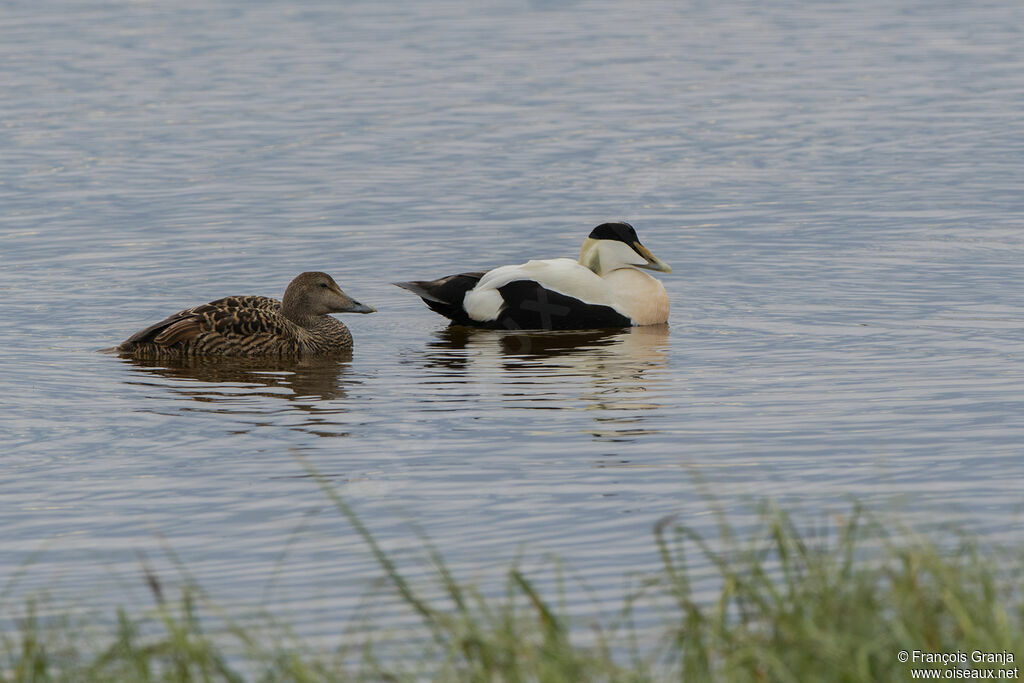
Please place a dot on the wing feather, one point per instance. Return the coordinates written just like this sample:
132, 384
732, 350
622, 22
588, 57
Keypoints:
235, 316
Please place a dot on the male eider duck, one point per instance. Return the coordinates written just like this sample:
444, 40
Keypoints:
601, 289
255, 326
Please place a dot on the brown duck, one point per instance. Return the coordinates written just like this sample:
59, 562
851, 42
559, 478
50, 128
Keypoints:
255, 326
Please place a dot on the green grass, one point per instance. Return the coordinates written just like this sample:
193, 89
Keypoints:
833, 603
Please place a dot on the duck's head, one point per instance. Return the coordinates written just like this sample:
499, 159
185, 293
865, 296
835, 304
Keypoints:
312, 294
611, 246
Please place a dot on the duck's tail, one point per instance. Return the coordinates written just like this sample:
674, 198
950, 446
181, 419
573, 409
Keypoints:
445, 295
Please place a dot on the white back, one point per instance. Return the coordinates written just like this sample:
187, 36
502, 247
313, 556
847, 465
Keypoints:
565, 276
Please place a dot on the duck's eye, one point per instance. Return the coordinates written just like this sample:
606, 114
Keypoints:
324, 285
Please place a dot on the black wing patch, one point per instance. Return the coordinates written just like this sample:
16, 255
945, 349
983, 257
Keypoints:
529, 306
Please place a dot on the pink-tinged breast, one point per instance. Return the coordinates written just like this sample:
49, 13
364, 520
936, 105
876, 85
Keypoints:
639, 296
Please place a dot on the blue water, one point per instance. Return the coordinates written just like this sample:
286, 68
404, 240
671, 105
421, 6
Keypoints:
838, 187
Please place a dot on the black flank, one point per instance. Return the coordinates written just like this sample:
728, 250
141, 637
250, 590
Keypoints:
529, 306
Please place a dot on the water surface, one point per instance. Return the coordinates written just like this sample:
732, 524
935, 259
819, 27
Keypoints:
837, 186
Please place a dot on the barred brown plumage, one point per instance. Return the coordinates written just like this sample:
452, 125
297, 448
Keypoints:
252, 326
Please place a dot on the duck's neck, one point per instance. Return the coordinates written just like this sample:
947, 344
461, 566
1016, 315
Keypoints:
296, 308
590, 255
600, 256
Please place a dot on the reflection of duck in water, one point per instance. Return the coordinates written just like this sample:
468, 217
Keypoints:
589, 351
603, 288
316, 377
619, 376
298, 326
452, 342
532, 343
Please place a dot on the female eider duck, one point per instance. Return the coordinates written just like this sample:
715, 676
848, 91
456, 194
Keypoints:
255, 326
602, 289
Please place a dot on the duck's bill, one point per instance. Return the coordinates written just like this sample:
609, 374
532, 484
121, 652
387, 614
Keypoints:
357, 307
653, 262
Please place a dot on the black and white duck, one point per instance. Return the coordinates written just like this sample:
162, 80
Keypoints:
603, 288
